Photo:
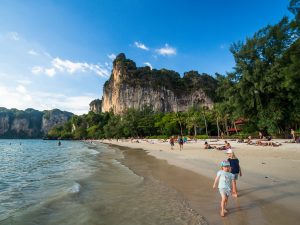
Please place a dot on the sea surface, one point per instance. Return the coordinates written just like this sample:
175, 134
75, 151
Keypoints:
81, 183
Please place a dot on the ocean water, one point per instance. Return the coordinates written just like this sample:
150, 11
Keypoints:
84, 184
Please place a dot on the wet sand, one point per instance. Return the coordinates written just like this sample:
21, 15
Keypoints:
249, 208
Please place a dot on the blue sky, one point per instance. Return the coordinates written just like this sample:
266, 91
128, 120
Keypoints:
58, 53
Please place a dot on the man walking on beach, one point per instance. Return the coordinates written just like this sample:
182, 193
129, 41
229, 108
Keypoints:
172, 141
180, 142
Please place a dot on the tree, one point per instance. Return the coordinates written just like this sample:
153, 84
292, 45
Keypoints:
294, 7
113, 128
166, 123
258, 75
180, 119
193, 119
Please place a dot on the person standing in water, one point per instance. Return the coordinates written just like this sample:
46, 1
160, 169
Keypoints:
235, 169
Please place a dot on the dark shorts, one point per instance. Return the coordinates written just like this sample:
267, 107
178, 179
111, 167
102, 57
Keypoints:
236, 176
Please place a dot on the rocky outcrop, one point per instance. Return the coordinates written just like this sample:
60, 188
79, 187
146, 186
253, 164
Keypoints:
4, 124
52, 118
29, 123
21, 125
96, 106
162, 90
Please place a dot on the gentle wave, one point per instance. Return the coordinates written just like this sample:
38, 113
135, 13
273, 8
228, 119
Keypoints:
75, 188
93, 152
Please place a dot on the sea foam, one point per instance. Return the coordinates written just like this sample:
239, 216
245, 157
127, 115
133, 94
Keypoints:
75, 188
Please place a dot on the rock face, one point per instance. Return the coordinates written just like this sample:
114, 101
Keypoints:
4, 124
162, 90
21, 125
96, 106
53, 118
29, 123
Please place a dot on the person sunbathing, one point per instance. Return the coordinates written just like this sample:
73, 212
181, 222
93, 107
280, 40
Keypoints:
249, 141
260, 143
275, 144
225, 147
207, 146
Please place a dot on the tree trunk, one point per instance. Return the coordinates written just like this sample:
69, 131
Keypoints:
206, 127
205, 124
180, 127
235, 127
226, 127
195, 130
218, 127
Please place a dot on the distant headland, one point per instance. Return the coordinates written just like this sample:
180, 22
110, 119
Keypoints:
30, 123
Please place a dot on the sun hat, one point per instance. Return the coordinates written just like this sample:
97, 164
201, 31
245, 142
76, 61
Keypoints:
229, 151
225, 163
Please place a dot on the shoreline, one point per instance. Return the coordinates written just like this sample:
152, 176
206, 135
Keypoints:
269, 189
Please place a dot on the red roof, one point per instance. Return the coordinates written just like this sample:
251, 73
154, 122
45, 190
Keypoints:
237, 122
233, 129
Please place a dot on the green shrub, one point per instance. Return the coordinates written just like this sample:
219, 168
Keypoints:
204, 136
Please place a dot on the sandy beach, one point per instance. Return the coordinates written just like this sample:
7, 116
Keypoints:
269, 190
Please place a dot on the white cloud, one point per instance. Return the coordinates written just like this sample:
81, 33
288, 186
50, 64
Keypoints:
167, 50
25, 82
112, 56
50, 72
10, 98
21, 89
103, 72
148, 64
222, 46
67, 66
141, 46
37, 69
32, 52
13, 36
47, 55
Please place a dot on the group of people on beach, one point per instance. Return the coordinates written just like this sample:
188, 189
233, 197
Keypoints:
224, 147
180, 140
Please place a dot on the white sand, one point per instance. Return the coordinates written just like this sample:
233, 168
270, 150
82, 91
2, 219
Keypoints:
272, 174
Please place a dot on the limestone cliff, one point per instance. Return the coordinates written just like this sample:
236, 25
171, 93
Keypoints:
29, 123
96, 106
53, 118
163, 90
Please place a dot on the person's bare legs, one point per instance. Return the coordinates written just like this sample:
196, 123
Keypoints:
223, 205
234, 189
180, 147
